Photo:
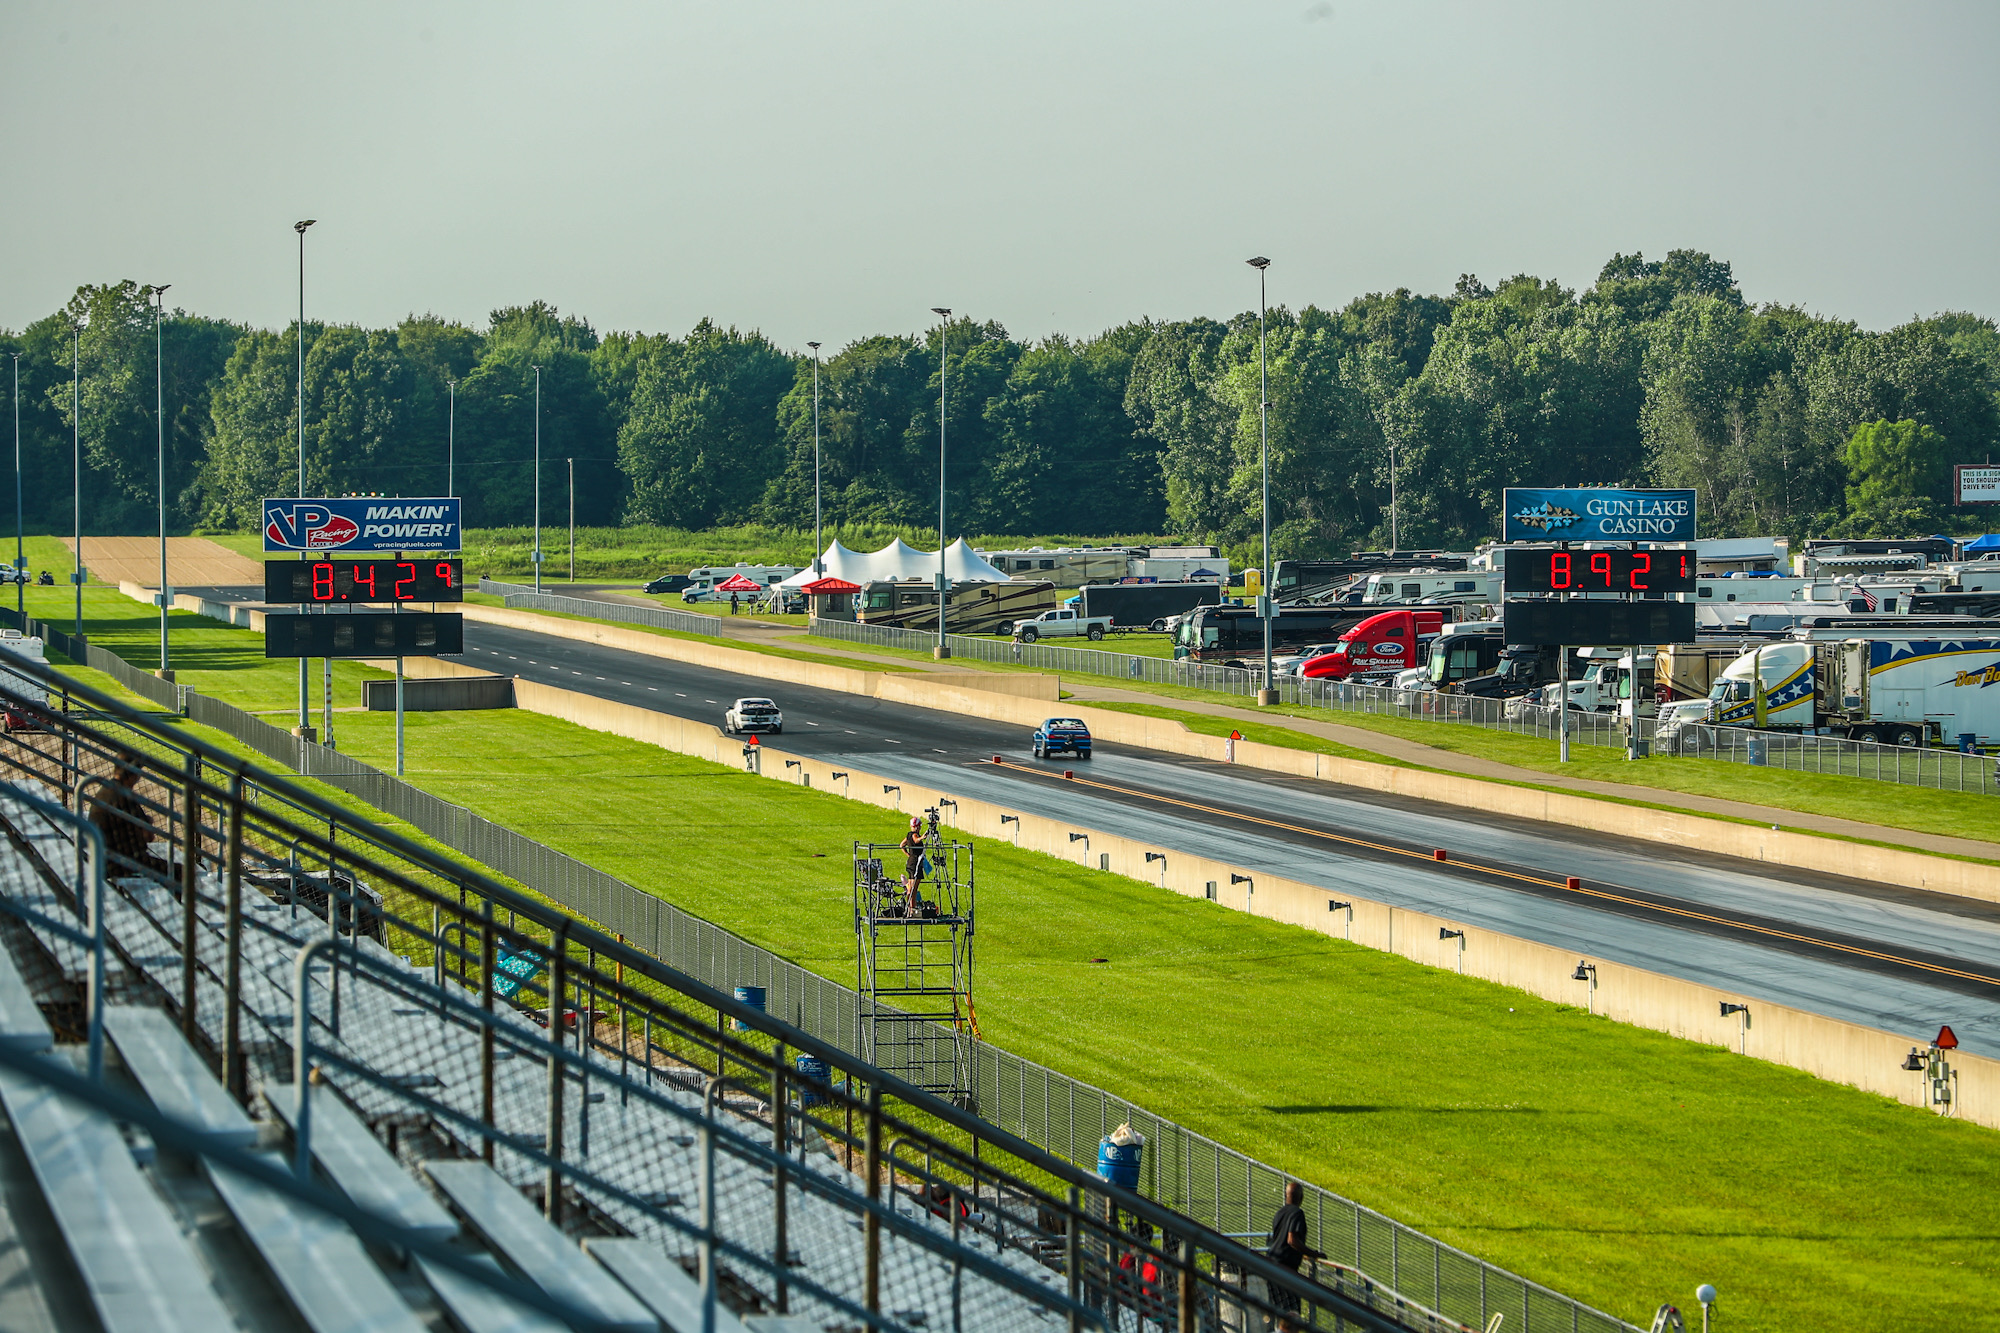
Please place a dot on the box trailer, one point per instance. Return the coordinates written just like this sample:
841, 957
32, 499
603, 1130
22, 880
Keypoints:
1145, 605
1897, 691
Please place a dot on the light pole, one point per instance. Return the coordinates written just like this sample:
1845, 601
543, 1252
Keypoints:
305, 717
20, 561
943, 584
1395, 541
158, 293
1269, 694
819, 565
451, 440
538, 479
572, 518
76, 467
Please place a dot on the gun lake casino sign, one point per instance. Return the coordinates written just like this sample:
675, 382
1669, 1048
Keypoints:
1596, 514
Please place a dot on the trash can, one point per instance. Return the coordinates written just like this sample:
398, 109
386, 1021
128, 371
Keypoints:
1968, 742
752, 996
1119, 1162
1757, 744
813, 1073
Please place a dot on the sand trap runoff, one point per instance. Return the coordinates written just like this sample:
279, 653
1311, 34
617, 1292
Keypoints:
192, 562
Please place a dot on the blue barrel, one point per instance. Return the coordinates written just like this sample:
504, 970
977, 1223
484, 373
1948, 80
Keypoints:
752, 996
1119, 1163
813, 1072
1968, 742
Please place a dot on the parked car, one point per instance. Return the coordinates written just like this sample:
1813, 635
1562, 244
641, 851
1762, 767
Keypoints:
669, 583
753, 715
1062, 733
1064, 621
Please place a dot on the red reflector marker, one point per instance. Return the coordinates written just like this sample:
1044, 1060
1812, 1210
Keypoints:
1438, 854
1572, 883
751, 741
996, 758
1069, 772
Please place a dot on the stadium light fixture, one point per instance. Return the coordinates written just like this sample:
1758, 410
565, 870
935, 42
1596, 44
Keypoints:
1268, 695
944, 326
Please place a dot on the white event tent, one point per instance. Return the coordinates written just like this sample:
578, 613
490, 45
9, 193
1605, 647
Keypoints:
899, 560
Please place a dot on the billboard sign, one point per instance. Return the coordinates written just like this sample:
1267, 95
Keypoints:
362, 523
1977, 483
1595, 514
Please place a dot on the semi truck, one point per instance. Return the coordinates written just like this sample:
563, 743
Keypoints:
973, 608
1378, 647
1127, 605
1896, 691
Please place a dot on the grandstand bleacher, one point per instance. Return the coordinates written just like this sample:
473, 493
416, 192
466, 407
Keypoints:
590, 1145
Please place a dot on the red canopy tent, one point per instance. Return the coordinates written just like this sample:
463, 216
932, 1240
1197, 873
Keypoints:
737, 583
829, 584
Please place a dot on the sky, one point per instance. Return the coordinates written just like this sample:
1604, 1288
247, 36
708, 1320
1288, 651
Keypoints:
831, 171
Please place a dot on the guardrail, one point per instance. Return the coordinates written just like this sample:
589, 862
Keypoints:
660, 617
1185, 1170
1944, 770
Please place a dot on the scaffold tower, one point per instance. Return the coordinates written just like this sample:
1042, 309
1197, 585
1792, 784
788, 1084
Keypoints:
914, 962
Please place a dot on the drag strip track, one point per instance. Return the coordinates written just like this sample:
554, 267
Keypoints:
1980, 980
1882, 955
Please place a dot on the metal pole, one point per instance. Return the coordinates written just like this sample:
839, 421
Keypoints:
399, 717
558, 982
76, 472
1395, 540
160, 413
451, 440
305, 665
538, 479
819, 541
871, 1222
1562, 703
190, 872
1267, 696
232, 958
572, 519
301, 1052
20, 561
944, 328
781, 1140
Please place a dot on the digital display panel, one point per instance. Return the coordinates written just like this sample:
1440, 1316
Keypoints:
1581, 624
364, 634
328, 581
1634, 573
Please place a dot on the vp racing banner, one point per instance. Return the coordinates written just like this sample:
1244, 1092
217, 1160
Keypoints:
362, 524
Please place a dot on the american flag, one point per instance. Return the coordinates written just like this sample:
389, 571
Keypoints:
1867, 597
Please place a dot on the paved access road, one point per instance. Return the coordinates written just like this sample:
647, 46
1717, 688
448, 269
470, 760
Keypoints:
1888, 957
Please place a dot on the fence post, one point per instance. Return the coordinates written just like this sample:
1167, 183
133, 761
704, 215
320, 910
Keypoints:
1073, 1258
780, 1174
301, 1058
871, 1223
558, 980
232, 951
190, 869
487, 948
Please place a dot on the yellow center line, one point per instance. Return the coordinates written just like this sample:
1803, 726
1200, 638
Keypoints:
1685, 913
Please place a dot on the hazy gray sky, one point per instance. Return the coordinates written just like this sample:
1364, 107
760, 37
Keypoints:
833, 170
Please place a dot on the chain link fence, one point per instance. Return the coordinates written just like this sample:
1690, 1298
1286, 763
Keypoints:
520, 597
1943, 770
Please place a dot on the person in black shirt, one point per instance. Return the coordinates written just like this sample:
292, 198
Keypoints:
1287, 1248
915, 863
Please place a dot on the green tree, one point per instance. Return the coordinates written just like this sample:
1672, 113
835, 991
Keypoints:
1891, 460
700, 442
1171, 397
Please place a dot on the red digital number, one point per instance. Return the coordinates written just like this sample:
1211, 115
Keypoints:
1600, 563
322, 577
444, 573
1642, 563
1561, 570
401, 583
364, 576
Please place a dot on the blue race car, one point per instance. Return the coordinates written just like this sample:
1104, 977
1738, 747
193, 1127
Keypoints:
1062, 733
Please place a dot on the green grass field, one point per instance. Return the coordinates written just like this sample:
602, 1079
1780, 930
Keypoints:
1614, 1164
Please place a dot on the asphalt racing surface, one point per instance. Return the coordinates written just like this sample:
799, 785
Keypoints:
1889, 957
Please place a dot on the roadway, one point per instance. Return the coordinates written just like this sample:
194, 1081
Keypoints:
1889, 957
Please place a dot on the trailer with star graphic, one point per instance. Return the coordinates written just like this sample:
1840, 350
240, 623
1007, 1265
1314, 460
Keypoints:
1900, 691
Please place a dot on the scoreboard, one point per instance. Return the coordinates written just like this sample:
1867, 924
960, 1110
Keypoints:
1598, 622
364, 634
1633, 573
325, 582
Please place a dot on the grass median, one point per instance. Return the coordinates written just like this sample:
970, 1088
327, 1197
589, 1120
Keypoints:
1611, 1163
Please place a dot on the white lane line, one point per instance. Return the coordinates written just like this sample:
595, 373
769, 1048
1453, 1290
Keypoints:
654, 688
940, 752
812, 724
679, 695
624, 682
892, 740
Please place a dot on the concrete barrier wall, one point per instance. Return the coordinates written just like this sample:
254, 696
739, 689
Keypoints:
1862, 1057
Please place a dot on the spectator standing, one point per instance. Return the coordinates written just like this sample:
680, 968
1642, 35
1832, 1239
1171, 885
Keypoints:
733, 598
1288, 1248
915, 864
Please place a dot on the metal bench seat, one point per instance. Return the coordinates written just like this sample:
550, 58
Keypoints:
173, 1076
362, 1168
660, 1282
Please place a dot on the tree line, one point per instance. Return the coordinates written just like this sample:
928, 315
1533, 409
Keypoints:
1660, 373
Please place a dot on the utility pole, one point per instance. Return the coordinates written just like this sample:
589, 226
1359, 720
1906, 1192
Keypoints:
819, 565
166, 597
20, 561
943, 583
538, 479
76, 473
451, 441
1269, 694
305, 686
572, 519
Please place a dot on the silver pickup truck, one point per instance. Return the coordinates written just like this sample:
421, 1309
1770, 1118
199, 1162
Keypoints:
1063, 622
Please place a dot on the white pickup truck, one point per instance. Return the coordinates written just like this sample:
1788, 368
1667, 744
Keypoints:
1063, 622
